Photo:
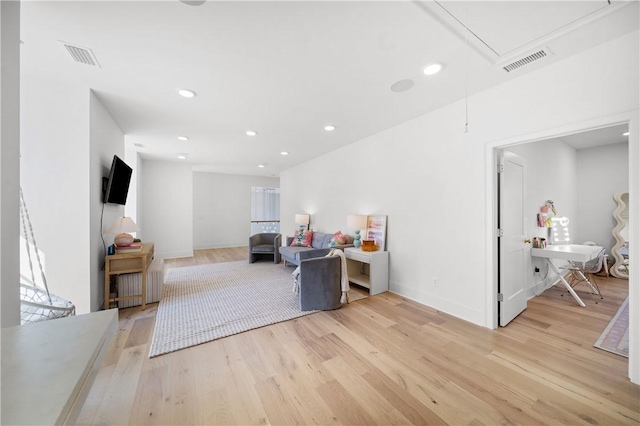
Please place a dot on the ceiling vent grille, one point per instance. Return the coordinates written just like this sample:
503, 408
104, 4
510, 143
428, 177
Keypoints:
536, 56
81, 54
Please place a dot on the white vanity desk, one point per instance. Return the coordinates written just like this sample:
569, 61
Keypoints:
570, 252
48, 367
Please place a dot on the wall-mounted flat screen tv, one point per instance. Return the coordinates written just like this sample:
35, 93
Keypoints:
117, 184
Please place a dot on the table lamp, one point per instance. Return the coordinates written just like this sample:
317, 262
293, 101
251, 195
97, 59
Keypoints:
356, 222
122, 226
302, 220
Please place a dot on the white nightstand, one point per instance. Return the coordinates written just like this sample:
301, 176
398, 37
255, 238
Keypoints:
369, 269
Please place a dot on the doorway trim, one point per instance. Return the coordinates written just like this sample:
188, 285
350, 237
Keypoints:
632, 118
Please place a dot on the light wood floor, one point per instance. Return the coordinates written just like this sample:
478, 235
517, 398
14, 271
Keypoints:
382, 360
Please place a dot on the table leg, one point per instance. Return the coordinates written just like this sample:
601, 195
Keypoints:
107, 284
566, 284
144, 283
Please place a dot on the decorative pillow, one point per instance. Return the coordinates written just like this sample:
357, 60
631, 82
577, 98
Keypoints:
337, 239
302, 239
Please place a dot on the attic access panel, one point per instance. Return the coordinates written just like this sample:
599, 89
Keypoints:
507, 26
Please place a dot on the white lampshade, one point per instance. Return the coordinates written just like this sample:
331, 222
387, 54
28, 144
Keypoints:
302, 219
123, 225
356, 221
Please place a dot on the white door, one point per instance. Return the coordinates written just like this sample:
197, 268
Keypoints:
512, 246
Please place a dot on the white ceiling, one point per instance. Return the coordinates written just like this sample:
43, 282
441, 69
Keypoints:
598, 137
286, 69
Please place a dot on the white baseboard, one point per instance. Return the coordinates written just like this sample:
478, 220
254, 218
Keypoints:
221, 245
444, 305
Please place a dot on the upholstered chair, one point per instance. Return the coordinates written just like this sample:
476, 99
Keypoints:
265, 245
319, 284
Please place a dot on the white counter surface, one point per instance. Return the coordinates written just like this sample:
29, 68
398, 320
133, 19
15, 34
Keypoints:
48, 367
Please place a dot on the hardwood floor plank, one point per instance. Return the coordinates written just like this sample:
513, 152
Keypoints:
280, 407
346, 408
140, 332
613, 410
410, 407
117, 403
358, 388
148, 406
381, 360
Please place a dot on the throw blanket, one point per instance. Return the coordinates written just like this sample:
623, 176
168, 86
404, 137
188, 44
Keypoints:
344, 281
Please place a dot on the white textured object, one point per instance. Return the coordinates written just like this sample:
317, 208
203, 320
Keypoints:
207, 302
129, 284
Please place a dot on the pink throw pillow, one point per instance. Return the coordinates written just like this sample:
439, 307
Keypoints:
302, 239
338, 239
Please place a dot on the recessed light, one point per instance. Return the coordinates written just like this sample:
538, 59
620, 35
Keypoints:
251, 133
284, 153
182, 156
187, 93
625, 134
329, 127
432, 69
402, 85
183, 138
261, 166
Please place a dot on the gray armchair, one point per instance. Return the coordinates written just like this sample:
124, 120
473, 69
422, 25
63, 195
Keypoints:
265, 245
319, 283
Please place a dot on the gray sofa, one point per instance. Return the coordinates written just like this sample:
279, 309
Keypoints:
319, 247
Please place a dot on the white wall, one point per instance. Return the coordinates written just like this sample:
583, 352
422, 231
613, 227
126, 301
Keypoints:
55, 179
222, 208
166, 194
430, 177
132, 158
9, 162
602, 172
107, 140
68, 142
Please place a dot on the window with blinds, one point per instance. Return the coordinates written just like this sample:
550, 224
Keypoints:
265, 209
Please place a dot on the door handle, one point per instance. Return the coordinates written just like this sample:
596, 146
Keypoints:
527, 241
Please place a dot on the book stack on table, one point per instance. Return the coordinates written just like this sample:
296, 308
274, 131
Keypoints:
132, 248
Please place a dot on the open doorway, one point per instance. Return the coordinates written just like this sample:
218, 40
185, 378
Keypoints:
580, 173
572, 207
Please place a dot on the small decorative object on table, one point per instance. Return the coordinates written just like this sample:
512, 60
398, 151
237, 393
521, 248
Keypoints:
122, 226
356, 222
369, 245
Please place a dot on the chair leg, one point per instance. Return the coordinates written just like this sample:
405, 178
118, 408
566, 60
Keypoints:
594, 282
589, 280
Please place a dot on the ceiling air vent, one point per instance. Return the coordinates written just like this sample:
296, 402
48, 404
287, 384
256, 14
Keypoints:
84, 55
519, 63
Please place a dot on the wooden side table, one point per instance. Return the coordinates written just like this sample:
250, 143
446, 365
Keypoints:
127, 263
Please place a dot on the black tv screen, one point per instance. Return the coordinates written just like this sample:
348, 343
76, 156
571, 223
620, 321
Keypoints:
118, 182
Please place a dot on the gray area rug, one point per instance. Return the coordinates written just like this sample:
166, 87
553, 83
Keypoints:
203, 303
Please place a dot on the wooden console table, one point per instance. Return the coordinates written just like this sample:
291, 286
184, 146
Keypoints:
127, 263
